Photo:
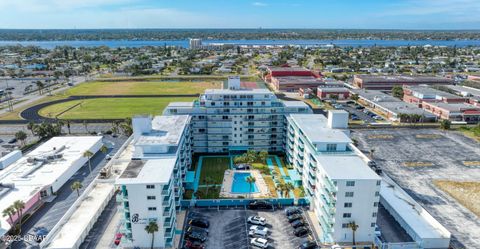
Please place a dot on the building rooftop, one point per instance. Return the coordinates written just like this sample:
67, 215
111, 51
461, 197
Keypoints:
402, 79
429, 92
466, 90
344, 167
288, 69
239, 91
23, 179
315, 128
148, 171
181, 104
295, 104
165, 130
417, 218
298, 80
455, 107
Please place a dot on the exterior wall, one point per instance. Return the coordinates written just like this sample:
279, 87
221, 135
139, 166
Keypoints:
328, 95
136, 213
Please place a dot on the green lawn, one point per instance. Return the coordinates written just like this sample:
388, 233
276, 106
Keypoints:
109, 108
214, 167
141, 88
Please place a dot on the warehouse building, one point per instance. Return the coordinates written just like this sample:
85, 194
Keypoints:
378, 82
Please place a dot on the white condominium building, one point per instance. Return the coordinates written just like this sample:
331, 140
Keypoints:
341, 187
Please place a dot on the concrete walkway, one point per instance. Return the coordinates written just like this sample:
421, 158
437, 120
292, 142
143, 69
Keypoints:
108, 236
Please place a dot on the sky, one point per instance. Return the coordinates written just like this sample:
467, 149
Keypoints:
321, 14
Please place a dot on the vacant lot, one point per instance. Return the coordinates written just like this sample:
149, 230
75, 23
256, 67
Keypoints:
108, 108
417, 158
141, 88
467, 193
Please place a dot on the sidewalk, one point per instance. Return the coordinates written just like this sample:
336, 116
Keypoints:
108, 236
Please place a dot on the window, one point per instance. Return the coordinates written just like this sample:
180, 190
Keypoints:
347, 215
150, 186
350, 183
344, 225
377, 193
347, 205
152, 208
372, 224
374, 214
375, 204
331, 147
151, 197
379, 182
348, 194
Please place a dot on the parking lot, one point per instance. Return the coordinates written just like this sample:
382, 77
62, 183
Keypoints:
414, 158
229, 229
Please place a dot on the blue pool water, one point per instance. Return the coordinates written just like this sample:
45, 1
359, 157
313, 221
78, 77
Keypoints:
240, 184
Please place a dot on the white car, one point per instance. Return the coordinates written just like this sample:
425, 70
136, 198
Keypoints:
377, 231
258, 230
257, 220
259, 242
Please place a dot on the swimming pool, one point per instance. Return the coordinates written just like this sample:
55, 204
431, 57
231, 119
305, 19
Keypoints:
240, 184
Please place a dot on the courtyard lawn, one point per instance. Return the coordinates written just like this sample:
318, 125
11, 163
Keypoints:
467, 193
214, 168
109, 108
141, 88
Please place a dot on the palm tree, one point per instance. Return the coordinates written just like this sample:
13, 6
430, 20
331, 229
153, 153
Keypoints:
85, 124
88, 154
9, 211
280, 187
76, 186
104, 149
251, 180
151, 228
352, 225
208, 180
288, 186
21, 136
31, 127
19, 206
445, 124
40, 86
68, 126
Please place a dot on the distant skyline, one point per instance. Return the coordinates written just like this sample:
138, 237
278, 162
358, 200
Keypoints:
315, 14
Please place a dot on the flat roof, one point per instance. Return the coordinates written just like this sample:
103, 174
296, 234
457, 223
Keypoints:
181, 104
315, 128
298, 80
288, 69
455, 106
401, 79
148, 171
294, 104
417, 218
165, 130
472, 91
239, 91
29, 178
426, 90
345, 167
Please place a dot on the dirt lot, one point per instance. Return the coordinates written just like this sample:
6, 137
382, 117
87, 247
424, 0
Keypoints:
415, 158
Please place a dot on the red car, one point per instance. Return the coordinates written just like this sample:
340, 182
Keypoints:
194, 245
118, 238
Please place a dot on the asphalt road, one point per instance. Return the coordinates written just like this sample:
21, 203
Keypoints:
51, 212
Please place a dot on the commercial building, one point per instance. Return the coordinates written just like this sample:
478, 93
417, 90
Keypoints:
37, 176
454, 112
419, 94
472, 94
340, 185
291, 79
332, 91
389, 106
378, 82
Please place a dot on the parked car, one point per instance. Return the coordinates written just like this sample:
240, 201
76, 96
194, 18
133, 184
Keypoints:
260, 205
338, 106
192, 229
376, 117
294, 217
297, 223
354, 117
366, 111
242, 166
194, 245
118, 238
193, 215
258, 230
196, 237
308, 245
40, 233
378, 233
108, 157
350, 102
12, 141
259, 242
359, 107
199, 222
301, 231
257, 220
292, 210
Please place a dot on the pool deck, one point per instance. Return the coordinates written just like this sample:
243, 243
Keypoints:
226, 190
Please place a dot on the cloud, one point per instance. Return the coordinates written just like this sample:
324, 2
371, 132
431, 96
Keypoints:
259, 4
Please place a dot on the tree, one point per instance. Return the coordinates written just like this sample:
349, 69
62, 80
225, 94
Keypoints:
68, 126
208, 180
251, 180
19, 205
280, 188
9, 211
40, 87
151, 228
31, 127
354, 97
88, 154
397, 92
262, 155
76, 186
21, 136
85, 124
104, 149
445, 124
288, 186
352, 225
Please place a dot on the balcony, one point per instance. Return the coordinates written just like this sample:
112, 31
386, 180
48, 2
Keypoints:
167, 191
168, 223
166, 203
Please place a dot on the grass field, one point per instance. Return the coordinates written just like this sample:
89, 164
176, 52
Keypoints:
467, 193
214, 167
141, 88
109, 108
